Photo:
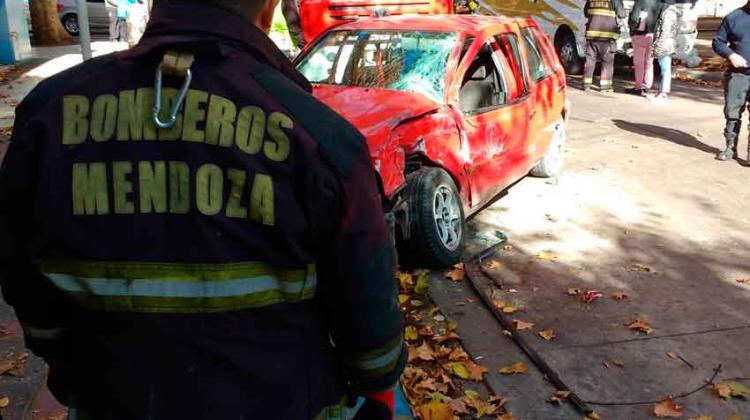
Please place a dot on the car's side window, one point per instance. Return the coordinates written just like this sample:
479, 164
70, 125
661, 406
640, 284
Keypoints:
548, 51
538, 69
508, 46
483, 87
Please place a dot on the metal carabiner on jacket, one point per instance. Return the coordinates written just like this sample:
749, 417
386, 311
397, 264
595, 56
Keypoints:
178, 64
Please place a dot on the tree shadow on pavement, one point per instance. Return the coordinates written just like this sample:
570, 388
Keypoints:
687, 292
665, 133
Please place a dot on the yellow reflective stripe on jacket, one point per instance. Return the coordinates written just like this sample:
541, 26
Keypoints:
380, 360
602, 12
155, 287
602, 34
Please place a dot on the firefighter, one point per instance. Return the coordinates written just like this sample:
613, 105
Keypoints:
290, 10
602, 31
222, 257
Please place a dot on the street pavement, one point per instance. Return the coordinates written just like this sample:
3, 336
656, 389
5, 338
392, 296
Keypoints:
644, 209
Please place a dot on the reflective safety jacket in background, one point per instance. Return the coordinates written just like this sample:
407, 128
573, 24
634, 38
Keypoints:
236, 265
602, 18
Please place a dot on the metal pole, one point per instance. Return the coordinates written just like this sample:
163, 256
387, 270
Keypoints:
83, 29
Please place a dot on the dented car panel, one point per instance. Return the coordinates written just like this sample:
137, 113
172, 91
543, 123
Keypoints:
483, 98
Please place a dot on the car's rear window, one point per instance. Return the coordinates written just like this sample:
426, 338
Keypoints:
410, 61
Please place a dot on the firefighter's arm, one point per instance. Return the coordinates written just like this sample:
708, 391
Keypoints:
358, 285
40, 307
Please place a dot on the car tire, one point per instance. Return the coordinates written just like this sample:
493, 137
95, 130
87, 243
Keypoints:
554, 159
70, 23
567, 49
436, 220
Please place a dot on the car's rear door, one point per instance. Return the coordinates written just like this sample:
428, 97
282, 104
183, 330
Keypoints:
495, 119
547, 91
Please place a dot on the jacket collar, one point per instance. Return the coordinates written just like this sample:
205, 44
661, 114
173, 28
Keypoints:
189, 23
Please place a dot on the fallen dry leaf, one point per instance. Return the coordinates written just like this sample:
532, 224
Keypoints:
548, 335
494, 264
436, 410
590, 295
703, 417
547, 256
458, 406
457, 274
458, 354
422, 284
667, 408
405, 280
593, 416
523, 325
439, 339
507, 247
425, 352
559, 396
411, 333
619, 296
574, 291
507, 333
4, 402
509, 309
476, 371
516, 368
672, 355
460, 370
739, 390
643, 268
723, 390
403, 299
506, 416
744, 280
498, 303
426, 331
735, 417
6, 366
641, 325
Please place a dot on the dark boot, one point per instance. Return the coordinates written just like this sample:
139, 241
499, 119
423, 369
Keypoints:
730, 152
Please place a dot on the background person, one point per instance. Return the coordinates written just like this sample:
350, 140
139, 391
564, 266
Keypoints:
236, 265
642, 24
290, 9
665, 39
602, 31
732, 41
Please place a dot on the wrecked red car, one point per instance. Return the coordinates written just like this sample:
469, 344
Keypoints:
455, 109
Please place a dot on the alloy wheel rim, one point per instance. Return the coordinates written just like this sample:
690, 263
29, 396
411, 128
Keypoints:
447, 217
71, 24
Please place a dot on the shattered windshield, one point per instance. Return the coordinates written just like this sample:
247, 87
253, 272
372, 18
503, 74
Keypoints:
409, 61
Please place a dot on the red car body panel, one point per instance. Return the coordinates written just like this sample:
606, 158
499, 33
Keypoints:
485, 152
319, 15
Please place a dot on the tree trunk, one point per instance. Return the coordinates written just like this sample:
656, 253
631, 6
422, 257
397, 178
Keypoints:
46, 25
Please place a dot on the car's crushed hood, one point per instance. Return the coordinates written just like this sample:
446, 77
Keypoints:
375, 112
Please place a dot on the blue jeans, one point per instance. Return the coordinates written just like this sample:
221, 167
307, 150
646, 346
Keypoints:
665, 64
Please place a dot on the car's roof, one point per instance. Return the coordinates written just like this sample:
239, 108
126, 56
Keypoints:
447, 23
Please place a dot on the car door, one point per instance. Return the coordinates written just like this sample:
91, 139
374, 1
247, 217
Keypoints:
547, 91
495, 114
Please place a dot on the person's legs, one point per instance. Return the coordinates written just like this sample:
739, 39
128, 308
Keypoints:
112, 14
290, 9
735, 96
590, 65
608, 65
648, 62
665, 65
638, 60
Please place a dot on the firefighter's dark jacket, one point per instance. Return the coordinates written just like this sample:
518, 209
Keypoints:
236, 265
602, 18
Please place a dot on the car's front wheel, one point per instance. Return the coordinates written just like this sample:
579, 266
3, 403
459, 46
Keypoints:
70, 23
436, 219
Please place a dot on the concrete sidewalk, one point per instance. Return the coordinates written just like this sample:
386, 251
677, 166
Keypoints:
44, 62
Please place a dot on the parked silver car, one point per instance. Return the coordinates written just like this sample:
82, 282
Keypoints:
98, 17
